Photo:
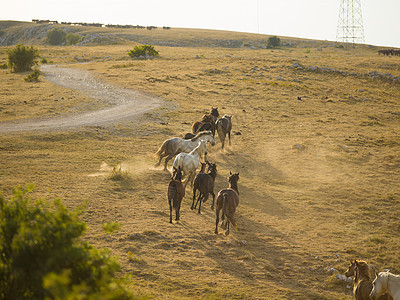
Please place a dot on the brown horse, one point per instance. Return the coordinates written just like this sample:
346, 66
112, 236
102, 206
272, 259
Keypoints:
224, 127
352, 271
204, 182
207, 123
228, 200
176, 192
362, 281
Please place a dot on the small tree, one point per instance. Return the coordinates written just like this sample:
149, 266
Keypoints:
72, 38
22, 58
56, 36
143, 51
41, 255
273, 42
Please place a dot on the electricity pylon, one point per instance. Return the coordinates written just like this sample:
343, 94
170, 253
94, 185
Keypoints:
350, 29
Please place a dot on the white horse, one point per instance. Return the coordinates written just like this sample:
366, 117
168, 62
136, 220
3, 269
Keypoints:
386, 282
174, 146
189, 162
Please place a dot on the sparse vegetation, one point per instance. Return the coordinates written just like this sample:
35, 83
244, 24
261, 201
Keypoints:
41, 255
273, 42
73, 39
56, 36
33, 77
22, 58
143, 51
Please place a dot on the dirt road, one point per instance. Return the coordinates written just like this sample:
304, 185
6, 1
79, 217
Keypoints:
122, 104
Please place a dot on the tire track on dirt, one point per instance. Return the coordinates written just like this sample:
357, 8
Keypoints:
122, 104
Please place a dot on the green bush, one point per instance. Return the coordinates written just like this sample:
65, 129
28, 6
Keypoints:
273, 42
73, 39
143, 51
44, 61
33, 77
43, 257
3, 66
56, 36
22, 58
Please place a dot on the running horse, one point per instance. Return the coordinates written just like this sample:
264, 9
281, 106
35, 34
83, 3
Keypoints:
204, 182
224, 127
176, 192
174, 146
227, 201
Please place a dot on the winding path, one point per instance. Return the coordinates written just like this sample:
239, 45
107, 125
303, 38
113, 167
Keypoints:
124, 104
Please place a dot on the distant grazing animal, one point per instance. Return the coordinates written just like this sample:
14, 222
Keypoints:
204, 182
224, 127
176, 192
386, 282
351, 271
174, 146
207, 123
227, 201
189, 162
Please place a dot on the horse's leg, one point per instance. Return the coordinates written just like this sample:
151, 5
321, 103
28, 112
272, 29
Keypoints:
217, 220
160, 158
198, 199
194, 197
227, 231
203, 199
212, 205
229, 136
170, 210
167, 160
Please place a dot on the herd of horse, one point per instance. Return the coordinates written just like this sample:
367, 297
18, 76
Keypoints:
389, 52
385, 286
188, 152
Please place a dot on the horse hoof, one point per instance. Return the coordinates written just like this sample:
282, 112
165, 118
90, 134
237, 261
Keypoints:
227, 233
192, 207
216, 231
212, 207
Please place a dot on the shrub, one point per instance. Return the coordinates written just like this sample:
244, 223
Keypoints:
33, 77
22, 58
273, 42
143, 51
73, 39
44, 61
3, 66
56, 36
41, 255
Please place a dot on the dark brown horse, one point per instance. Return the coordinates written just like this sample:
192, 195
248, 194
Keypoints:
228, 200
207, 123
352, 271
204, 182
176, 192
224, 127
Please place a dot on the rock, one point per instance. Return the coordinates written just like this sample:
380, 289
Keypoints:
332, 270
299, 147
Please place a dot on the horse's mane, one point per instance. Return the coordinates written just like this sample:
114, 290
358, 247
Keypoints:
363, 268
201, 133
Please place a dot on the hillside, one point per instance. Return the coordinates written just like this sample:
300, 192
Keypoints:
315, 140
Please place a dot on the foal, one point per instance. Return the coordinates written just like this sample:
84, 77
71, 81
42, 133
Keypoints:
362, 282
228, 200
204, 182
176, 192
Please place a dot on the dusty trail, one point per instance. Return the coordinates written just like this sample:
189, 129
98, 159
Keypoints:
124, 104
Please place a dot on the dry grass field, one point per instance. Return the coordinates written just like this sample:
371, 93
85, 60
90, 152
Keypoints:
319, 176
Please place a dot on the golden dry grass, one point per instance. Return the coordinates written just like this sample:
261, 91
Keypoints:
319, 179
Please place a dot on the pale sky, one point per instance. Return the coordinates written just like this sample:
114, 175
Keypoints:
315, 19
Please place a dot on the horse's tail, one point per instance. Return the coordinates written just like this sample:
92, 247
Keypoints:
174, 195
226, 211
162, 148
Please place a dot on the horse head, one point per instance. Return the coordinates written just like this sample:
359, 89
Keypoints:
214, 112
350, 271
177, 174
